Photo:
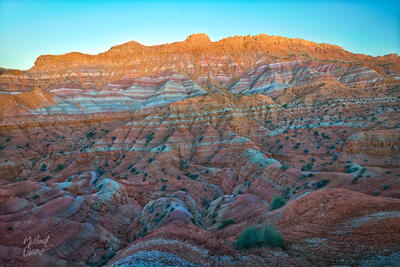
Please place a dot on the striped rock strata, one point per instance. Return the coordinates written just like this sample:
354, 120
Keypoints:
140, 155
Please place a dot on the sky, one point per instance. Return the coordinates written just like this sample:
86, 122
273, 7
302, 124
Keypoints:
31, 28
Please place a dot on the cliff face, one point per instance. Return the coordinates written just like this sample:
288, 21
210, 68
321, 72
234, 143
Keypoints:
140, 155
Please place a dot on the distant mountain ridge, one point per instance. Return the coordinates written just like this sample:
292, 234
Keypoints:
126, 76
274, 45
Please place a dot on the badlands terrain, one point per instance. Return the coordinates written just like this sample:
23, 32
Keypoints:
162, 155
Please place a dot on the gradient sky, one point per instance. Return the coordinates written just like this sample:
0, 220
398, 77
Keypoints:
32, 28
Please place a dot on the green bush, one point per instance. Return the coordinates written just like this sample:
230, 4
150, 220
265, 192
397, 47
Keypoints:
272, 237
284, 167
225, 223
322, 183
60, 167
90, 134
192, 176
276, 202
249, 238
307, 167
149, 138
252, 236
204, 202
43, 167
44, 179
385, 187
100, 171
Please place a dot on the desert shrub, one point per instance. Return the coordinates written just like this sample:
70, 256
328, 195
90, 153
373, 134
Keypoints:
385, 187
307, 167
150, 160
225, 223
100, 171
350, 169
60, 167
276, 202
284, 167
43, 167
90, 134
272, 237
376, 192
149, 138
163, 187
192, 176
250, 237
44, 179
322, 183
324, 135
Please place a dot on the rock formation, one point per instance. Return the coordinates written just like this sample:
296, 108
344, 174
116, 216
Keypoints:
163, 154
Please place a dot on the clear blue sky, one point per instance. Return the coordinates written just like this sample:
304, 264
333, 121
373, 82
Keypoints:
31, 28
